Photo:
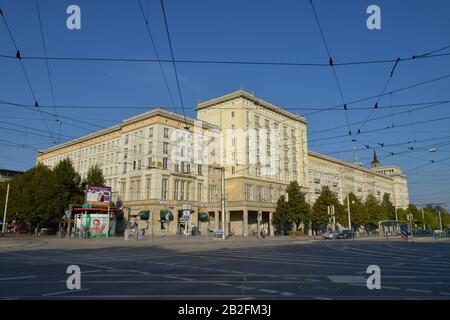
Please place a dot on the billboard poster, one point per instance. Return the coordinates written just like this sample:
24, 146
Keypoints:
97, 224
98, 195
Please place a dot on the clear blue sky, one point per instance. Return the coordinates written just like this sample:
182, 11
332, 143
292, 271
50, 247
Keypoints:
237, 30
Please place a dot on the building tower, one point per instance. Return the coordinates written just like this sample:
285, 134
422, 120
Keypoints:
375, 162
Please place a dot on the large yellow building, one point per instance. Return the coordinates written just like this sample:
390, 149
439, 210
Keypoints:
160, 158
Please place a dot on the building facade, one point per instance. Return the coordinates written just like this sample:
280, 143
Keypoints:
162, 160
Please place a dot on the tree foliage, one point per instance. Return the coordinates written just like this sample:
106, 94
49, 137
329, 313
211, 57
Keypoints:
41, 194
326, 198
94, 177
293, 211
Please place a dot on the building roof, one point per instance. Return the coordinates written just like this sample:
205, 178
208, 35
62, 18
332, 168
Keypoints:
244, 94
127, 121
348, 164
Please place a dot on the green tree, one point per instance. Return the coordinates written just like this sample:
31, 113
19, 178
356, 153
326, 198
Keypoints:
67, 187
94, 177
417, 215
319, 214
388, 207
31, 196
358, 212
298, 209
374, 211
294, 211
281, 217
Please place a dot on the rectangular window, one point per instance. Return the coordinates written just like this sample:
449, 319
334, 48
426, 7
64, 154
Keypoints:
248, 192
177, 167
150, 133
199, 169
257, 124
139, 164
165, 147
164, 188
199, 192
188, 190
134, 165
232, 114
150, 163
165, 163
182, 191
125, 154
126, 139
150, 147
267, 124
175, 190
166, 132
140, 149
125, 167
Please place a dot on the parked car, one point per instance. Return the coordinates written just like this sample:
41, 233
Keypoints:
330, 234
346, 234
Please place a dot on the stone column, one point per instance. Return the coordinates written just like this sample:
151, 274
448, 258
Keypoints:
271, 229
258, 220
216, 220
245, 218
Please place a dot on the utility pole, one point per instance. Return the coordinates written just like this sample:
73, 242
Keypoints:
222, 200
440, 221
6, 209
423, 220
69, 220
348, 212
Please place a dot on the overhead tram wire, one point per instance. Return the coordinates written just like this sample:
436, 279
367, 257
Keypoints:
18, 56
379, 98
226, 108
173, 63
147, 27
389, 80
385, 128
48, 68
379, 95
332, 67
382, 117
225, 62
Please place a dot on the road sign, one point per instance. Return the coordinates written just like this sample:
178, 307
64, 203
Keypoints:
67, 213
404, 231
187, 206
186, 215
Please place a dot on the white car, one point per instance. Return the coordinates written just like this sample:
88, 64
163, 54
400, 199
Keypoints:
331, 234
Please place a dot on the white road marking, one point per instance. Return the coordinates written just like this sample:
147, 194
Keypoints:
16, 278
245, 287
62, 292
287, 293
323, 298
187, 279
246, 298
91, 271
418, 290
268, 290
444, 293
347, 279
392, 288
223, 284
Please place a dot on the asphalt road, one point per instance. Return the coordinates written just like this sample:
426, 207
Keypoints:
240, 269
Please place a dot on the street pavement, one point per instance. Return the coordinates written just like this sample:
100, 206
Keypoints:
194, 268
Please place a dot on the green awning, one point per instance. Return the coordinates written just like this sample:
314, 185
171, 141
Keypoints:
162, 214
144, 214
203, 216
